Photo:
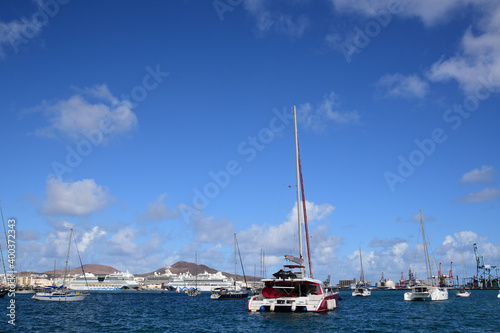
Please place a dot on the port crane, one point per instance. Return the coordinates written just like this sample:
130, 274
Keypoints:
487, 275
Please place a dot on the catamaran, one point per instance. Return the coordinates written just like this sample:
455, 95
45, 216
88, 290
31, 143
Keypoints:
361, 289
294, 291
426, 290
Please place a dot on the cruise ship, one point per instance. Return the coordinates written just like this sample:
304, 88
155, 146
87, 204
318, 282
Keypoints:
203, 281
114, 281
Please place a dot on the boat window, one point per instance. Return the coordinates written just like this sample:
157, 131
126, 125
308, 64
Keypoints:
312, 289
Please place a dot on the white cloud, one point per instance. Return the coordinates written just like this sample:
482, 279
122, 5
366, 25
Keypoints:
398, 85
91, 109
487, 194
431, 12
466, 237
16, 33
210, 230
476, 67
485, 174
158, 211
280, 239
123, 242
270, 19
327, 111
75, 199
89, 237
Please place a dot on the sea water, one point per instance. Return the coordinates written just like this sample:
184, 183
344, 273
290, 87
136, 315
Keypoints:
383, 311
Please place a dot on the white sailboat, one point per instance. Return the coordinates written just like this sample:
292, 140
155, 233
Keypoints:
294, 291
61, 294
361, 289
425, 290
462, 292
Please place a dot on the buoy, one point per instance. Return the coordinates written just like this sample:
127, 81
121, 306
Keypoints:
294, 307
262, 308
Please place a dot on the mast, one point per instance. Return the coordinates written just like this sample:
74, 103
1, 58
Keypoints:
306, 227
235, 262
67, 257
297, 167
426, 252
241, 261
362, 277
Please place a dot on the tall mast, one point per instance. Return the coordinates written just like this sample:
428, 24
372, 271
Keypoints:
67, 257
426, 252
298, 186
235, 262
362, 277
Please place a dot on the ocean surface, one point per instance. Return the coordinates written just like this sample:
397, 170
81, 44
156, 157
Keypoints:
384, 311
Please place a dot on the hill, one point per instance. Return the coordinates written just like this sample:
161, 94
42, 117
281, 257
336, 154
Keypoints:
184, 267
177, 268
94, 269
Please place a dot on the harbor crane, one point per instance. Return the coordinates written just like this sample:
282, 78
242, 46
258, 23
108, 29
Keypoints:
487, 275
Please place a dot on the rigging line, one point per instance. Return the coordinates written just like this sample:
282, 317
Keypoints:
81, 264
305, 214
1, 251
241, 262
415, 252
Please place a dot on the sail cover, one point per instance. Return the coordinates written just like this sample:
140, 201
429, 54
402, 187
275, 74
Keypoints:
296, 260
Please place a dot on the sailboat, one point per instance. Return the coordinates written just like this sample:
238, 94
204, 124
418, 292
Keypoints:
234, 292
462, 292
61, 294
291, 291
193, 292
425, 290
361, 289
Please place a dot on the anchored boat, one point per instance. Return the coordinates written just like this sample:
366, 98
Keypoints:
425, 290
292, 290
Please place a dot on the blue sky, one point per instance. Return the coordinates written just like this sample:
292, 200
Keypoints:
157, 129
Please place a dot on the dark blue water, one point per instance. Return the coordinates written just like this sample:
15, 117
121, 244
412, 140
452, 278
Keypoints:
384, 311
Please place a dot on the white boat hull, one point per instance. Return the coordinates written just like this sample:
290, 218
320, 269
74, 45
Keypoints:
70, 297
363, 293
463, 294
427, 293
292, 304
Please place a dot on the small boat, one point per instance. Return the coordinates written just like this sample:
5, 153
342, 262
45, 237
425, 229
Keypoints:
360, 289
228, 293
61, 294
25, 290
462, 292
425, 290
233, 292
193, 292
293, 291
